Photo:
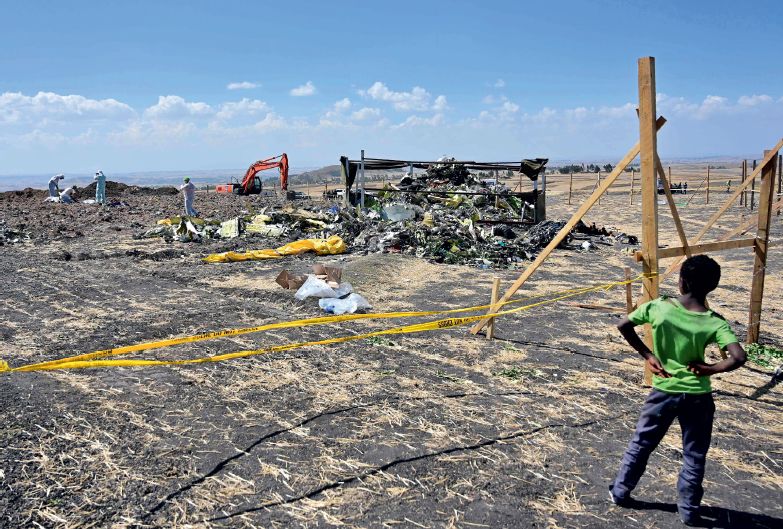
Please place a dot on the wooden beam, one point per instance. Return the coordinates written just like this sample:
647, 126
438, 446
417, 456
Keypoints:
715, 216
762, 240
633, 177
564, 231
672, 207
628, 292
649, 188
677, 251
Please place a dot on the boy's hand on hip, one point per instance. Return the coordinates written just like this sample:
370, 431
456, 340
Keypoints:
655, 366
701, 369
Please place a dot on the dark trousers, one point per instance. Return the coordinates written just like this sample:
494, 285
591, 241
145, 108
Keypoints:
695, 413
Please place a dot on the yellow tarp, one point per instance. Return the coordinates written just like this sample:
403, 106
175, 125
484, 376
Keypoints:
331, 246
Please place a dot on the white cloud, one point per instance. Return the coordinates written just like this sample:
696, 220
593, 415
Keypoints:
754, 100
365, 113
176, 107
17, 107
418, 99
418, 121
500, 83
342, 105
306, 89
489, 100
440, 104
243, 85
243, 107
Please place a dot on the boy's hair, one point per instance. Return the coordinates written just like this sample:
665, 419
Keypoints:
700, 275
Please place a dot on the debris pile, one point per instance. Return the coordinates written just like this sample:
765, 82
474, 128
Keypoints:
11, 236
450, 218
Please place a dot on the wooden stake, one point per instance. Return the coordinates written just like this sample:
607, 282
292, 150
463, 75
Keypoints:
762, 241
648, 156
753, 190
598, 184
707, 201
495, 294
628, 292
780, 179
564, 231
570, 187
633, 177
744, 196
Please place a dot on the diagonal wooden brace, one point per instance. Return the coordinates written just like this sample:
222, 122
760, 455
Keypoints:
564, 231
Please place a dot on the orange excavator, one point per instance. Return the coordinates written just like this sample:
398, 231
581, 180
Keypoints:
251, 183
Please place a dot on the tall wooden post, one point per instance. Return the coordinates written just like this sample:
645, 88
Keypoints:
780, 180
598, 184
570, 187
762, 239
633, 177
753, 190
744, 195
648, 153
708, 185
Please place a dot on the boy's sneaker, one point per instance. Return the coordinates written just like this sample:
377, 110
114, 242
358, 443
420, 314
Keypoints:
617, 500
691, 519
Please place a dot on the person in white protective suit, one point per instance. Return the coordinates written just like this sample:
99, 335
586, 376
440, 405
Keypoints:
100, 187
189, 191
66, 197
54, 185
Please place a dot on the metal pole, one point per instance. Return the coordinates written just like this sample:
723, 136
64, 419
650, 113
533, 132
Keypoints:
633, 177
361, 168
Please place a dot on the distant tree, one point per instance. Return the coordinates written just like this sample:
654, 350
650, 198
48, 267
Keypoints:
608, 168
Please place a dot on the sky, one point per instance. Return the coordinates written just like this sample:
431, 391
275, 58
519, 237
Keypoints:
173, 85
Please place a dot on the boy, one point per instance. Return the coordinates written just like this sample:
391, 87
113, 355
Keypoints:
681, 329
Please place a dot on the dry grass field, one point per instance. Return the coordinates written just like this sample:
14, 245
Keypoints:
439, 429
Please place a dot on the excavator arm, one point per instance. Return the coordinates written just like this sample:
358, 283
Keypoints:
280, 162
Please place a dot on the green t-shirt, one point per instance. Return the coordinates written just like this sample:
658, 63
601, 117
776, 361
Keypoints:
680, 337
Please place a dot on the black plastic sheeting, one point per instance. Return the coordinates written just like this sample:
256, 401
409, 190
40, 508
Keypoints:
531, 168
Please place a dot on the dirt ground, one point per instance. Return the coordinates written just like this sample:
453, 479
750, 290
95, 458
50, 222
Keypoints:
437, 429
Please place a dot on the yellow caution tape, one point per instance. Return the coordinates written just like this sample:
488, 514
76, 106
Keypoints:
331, 246
321, 320
91, 359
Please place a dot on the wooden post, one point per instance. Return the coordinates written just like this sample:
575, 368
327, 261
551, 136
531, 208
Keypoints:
633, 177
598, 184
628, 292
767, 192
753, 190
570, 187
780, 179
707, 200
495, 295
648, 154
744, 195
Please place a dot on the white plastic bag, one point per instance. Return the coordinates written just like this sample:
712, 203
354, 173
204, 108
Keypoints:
348, 305
314, 287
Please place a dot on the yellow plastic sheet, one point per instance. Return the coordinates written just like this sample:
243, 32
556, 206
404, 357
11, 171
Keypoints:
331, 246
